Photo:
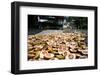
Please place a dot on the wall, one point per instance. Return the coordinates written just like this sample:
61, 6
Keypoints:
5, 27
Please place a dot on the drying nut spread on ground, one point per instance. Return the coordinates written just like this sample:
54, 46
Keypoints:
57, 46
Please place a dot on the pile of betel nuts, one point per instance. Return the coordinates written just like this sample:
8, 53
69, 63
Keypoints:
57, 46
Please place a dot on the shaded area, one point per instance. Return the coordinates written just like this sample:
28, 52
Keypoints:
38, 23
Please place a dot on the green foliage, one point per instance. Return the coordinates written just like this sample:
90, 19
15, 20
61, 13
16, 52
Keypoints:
79, 22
